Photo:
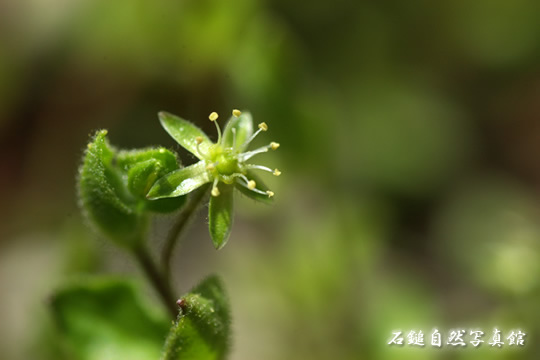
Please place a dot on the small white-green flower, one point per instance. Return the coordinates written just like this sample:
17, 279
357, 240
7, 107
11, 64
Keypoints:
224, 164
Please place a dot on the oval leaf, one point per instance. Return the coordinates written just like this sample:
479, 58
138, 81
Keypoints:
180, 182
220, 215
185, 133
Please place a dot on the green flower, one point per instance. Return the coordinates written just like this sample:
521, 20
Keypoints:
223, 164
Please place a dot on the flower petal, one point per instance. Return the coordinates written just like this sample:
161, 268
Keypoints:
180, 182
185, 133
220, 215
260, 186
244, 129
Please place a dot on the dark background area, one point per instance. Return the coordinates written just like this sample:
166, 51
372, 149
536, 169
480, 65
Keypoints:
409, 131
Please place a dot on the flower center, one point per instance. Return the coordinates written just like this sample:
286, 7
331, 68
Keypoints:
224, 159
228, 164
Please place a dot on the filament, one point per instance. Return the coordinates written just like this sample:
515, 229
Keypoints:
244, 145
198, 139
259, 167
254, 189
218, 131
215, 190
248, 155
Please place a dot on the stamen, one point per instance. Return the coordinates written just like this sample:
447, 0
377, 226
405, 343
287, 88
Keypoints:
243, 177
215, 191
259, 167
236, 175
244, 145
211, 166
270, 193
213, 117
251, 184
236, 113
262, 127
259, 191
254, 189
274, 145
248, 155
199, 140
274, 172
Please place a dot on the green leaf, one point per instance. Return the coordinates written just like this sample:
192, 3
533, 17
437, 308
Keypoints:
142, 176
126, 159
180, 182
104, 198
103, 319
243, 126
202, 330
220, 215
252, 194
185, 133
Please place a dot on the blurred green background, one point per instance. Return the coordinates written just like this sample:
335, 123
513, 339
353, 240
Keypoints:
410, 133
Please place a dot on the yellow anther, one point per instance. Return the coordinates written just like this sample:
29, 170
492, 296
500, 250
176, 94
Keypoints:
263, 126
270, 193
199, 139
276, 172
210, 166
236, 112
215, 191
274, 145
213, 116
90, 146
251, 184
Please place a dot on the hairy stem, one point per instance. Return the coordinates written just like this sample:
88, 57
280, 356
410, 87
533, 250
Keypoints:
157, 279
186, 214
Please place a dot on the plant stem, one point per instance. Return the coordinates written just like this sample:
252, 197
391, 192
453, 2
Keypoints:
184, 218
160, 282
